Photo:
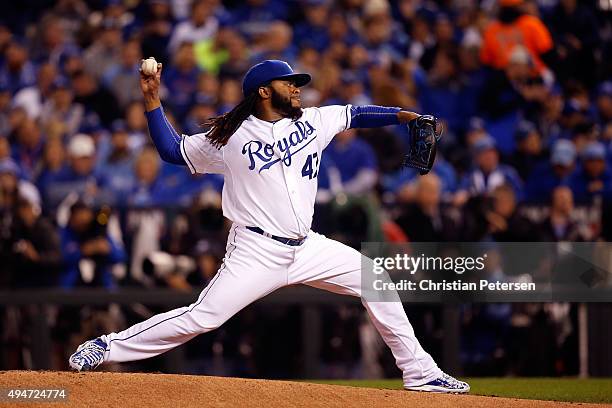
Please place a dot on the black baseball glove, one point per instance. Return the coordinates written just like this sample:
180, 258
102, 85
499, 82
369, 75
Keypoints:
424, 137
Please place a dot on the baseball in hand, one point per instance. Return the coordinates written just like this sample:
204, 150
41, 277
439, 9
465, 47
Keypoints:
149, 66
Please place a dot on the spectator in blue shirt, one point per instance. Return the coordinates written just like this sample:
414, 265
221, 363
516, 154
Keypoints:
355, 161
181, 79
32, 98
402, 181
561, 224
352, 91
136, 125
122, 77
461, 154
88, 250
593, 178
382, 37
54, 42
105, 48
16, 70
192, 185
78, 176
60, 111
473, 74
313, 31
52, 163
339, 31
545, 177
117, 161
253, 17
574, 116
202, 25
440, 92
202, 108
28, 149
488, 174
148, 189
529, 149
71, 62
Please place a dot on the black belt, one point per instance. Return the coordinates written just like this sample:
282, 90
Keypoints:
286, 241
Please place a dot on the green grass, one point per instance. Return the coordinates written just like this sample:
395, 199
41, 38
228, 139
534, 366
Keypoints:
598, 390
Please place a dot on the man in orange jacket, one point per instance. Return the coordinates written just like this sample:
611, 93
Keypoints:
515, 28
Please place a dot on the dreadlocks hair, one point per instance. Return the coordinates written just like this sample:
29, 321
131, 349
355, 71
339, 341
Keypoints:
222, 127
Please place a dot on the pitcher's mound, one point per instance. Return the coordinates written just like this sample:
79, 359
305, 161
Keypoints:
106, 390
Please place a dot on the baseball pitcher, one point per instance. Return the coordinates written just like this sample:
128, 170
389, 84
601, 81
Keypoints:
268, 148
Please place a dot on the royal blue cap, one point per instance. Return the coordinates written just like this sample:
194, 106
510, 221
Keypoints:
269, 70
9, 166
523, 130
483, 144
594, 151
571, 106
476, 124
118, 126
60, 82
563, 153
91, 123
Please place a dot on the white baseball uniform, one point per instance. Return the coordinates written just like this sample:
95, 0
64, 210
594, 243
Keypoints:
270, 171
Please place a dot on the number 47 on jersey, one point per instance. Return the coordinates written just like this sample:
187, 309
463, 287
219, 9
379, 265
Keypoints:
309, 170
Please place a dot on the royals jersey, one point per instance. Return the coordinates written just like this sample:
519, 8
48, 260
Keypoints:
270, 168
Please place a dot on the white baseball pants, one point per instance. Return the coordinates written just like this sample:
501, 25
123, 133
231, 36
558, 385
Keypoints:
255, 266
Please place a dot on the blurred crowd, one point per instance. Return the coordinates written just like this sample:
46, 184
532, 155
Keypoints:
523, 88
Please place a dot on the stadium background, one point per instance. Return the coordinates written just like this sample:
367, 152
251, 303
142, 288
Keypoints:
85, 201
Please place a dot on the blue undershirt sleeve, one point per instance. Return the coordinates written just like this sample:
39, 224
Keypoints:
372, 116
165, 138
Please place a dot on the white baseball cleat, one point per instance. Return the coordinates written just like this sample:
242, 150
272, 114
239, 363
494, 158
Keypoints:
445, 384
88, 355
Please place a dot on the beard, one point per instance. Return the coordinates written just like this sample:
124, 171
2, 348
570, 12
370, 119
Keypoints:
283, 105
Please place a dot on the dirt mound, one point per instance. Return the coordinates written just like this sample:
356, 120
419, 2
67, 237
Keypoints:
105, 389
